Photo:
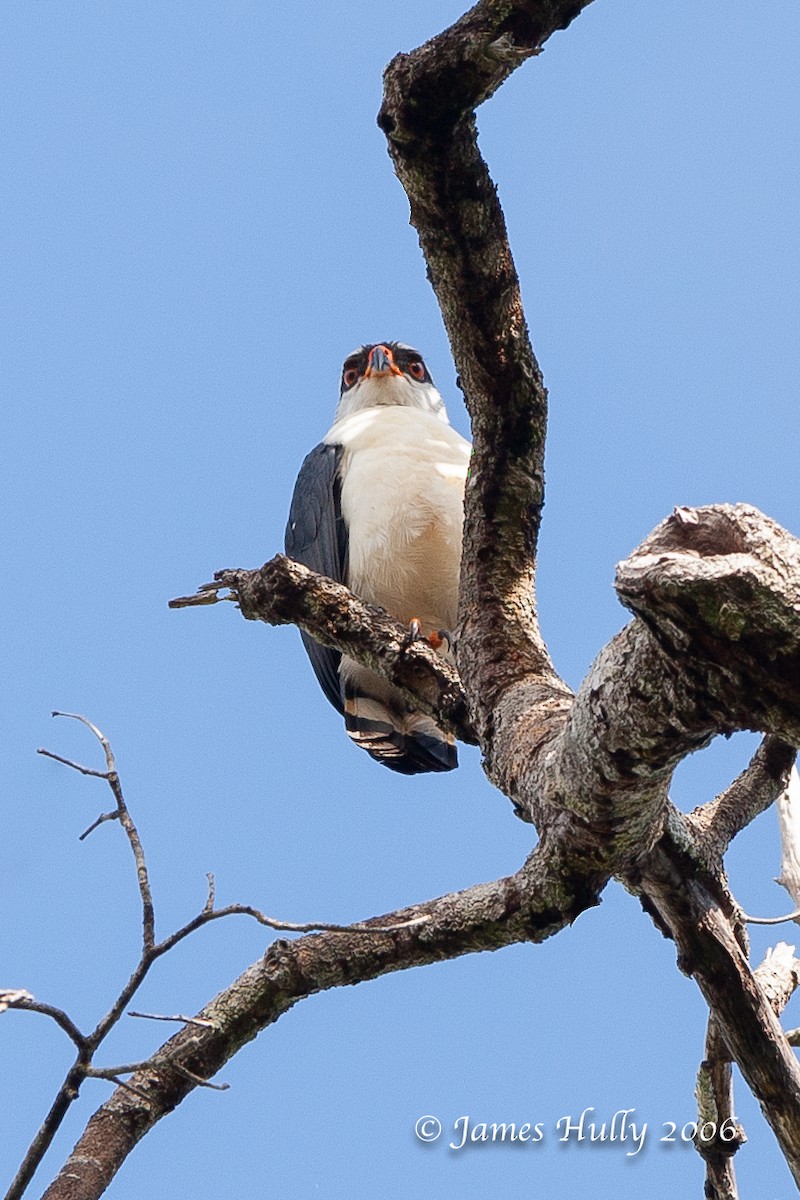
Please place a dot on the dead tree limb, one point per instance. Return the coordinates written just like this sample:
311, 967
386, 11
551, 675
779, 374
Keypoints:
531, 906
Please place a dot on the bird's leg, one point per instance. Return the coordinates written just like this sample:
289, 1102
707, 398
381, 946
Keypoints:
413, 633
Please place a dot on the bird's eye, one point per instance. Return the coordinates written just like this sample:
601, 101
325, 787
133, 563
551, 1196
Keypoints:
416, 368
349, 376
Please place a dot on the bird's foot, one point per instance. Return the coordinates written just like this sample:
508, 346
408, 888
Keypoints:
413, 634
439, 639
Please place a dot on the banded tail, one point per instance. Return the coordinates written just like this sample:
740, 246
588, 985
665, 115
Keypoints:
403, 740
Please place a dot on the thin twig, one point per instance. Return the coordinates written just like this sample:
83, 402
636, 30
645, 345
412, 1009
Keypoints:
198, 1079
67, 1093
114, 1073
788, 810
204, 1022
207, 593
26, 1003
125, 820
151, 951
68, 762
109, 816
247, 910
792, 916
129, 1087
124, 1069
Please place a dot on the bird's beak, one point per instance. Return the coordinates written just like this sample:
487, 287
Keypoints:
381, 362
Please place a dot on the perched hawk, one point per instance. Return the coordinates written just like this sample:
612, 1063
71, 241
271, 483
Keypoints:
378, 506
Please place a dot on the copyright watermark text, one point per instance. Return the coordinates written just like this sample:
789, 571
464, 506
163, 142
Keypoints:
622, 1128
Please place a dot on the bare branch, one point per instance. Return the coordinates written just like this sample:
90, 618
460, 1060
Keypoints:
532, 905
101, 820
285, 592
758, 786
83, 1068
198, 1081
201, 1021
719, 587
129, 1087
428, 117
112, 1073
68, 762
87, 1045
247, 910
779, 975
715, 1111
12, 996
207, 593
717, 649
123, 816
792, 916
789, 824
26, 1003
66, 1095
742, 1004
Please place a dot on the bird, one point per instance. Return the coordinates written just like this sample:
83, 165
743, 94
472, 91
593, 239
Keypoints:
379, 506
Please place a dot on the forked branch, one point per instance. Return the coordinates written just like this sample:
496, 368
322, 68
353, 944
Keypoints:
87, 1045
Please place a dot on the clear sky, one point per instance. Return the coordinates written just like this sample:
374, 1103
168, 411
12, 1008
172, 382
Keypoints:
200, 220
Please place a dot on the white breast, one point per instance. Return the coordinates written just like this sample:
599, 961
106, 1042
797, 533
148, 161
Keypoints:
403, 475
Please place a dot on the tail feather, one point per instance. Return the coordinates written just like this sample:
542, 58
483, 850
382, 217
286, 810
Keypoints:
407, 742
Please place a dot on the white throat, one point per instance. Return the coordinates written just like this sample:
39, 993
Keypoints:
391, 390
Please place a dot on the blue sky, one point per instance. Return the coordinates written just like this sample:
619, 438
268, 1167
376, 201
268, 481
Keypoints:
199, 222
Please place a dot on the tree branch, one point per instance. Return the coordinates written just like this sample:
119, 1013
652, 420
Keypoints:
25, 1002
285, 592
428, 117
684, 905
719, 587
716, 647
714, 1093
761, 783
87, 1044
789, 822
126, 821
532, 905
777, 977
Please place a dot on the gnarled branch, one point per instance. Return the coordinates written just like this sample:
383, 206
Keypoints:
285, 592
531, 905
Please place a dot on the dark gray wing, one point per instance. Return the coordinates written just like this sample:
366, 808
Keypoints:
316, 535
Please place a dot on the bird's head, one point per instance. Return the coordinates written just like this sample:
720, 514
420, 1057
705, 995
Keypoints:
387, 373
